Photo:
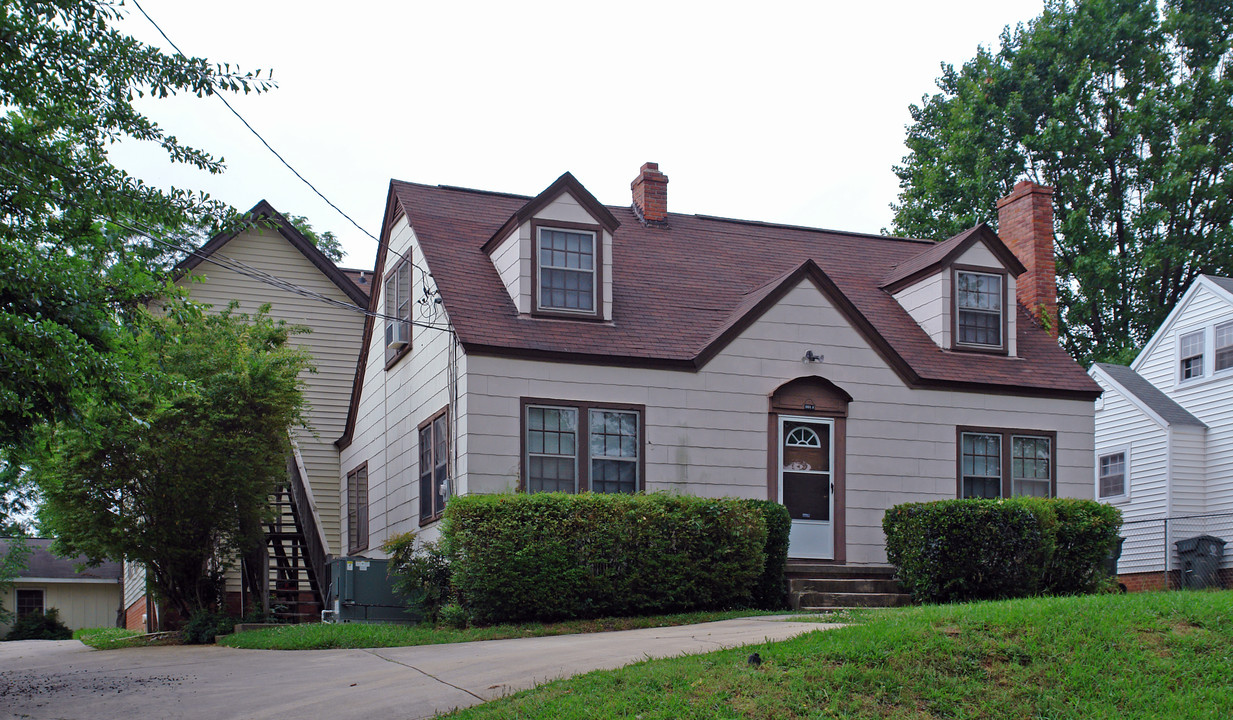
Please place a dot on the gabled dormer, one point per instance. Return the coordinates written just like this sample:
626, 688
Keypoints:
554, 254
963, 291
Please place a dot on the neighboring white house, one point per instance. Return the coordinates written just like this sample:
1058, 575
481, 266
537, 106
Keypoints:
553, 343
87, 598
1164, 432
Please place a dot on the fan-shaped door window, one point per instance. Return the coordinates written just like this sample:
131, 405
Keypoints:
803, 436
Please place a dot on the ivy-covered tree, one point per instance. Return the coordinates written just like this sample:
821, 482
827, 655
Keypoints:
1126, 108
178, 475
73, 265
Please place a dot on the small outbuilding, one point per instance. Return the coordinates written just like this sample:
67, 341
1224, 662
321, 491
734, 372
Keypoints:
87, 598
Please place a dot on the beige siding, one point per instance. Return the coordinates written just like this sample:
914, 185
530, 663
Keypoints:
81, 605
706, 432
134, 582
512, 258
334, 344
928, 302
392, 406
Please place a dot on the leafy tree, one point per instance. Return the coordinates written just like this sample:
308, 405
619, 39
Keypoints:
178, 475
1128, 112
327, 242
73, 267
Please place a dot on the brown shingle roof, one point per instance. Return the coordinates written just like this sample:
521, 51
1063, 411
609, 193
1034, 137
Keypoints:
678, 290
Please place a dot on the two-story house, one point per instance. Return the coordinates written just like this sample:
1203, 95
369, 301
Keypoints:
1164, 435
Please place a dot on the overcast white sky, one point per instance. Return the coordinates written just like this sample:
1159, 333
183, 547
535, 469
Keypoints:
783, 112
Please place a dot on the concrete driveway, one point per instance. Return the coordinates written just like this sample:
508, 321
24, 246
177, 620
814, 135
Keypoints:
66, 680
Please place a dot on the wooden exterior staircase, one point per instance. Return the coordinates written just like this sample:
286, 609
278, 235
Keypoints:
297, 561
819, 586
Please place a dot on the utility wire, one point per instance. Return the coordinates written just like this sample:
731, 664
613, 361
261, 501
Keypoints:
276, 153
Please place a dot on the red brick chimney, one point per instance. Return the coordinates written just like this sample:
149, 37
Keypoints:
1025, 224
651, 194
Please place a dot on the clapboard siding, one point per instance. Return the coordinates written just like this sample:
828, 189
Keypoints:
392, 405
928, 303
707, 434
333, 343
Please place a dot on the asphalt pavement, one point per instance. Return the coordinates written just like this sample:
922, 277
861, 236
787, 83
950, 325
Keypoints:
65, 680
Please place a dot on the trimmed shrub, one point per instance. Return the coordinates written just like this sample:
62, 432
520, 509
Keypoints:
40, 626
421, 575
954, 550
205, 625
770, 591
551, 556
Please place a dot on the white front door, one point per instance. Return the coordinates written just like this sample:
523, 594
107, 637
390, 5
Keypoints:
807, 485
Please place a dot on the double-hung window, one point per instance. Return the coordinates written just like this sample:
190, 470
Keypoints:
397, 312
1191, 352
566, 266
357, 509
576, 447
996, 463
1111, 475
434, 466
979, 306
1224, 346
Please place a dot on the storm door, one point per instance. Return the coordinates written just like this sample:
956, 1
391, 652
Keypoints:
807, 485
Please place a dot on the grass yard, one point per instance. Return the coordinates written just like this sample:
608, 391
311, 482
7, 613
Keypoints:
1158, 655
321, 636
115, 638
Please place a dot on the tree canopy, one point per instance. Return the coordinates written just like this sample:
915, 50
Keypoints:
1127, 111
178, 475
74, 263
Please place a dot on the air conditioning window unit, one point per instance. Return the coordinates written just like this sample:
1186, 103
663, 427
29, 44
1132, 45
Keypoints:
397, 334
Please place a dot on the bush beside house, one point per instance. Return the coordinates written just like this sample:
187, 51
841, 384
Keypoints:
954, 550
551, 556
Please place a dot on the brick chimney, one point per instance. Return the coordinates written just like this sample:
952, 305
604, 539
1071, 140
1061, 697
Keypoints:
1025, 224
651, 195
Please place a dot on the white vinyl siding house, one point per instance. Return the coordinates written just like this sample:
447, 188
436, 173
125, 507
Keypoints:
1171, 411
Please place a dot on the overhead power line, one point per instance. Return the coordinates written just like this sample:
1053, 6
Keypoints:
276, 153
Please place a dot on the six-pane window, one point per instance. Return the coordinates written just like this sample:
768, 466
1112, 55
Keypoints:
1192, 355
1112, 474
978, 299
434, 466
995, 464
1224, 346
357, 509
579, 448
566, 270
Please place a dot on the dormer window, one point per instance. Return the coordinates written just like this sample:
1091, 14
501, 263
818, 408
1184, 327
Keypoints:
567, 277
980, 302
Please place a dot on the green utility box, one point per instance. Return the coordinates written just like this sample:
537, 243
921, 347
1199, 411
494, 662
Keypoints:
360, 591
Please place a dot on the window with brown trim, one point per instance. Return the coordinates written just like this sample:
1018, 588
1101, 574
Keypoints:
29, 602
357, 509
434, 466
980, 301
397, 312
996, 463
580, 447
567, 269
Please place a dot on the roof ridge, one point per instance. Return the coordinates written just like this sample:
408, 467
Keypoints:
789, 226
459, 188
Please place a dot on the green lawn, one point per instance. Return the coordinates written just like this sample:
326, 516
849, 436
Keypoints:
1159, 655
320, 636
109, 638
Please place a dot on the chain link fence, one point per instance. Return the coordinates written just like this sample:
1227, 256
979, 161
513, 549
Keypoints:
1181, 552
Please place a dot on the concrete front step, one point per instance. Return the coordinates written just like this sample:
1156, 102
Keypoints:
821, 600
844, 585
806, 569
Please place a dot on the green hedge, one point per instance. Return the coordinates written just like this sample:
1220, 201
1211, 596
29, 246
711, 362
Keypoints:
771, 590
954, 550
550, 556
